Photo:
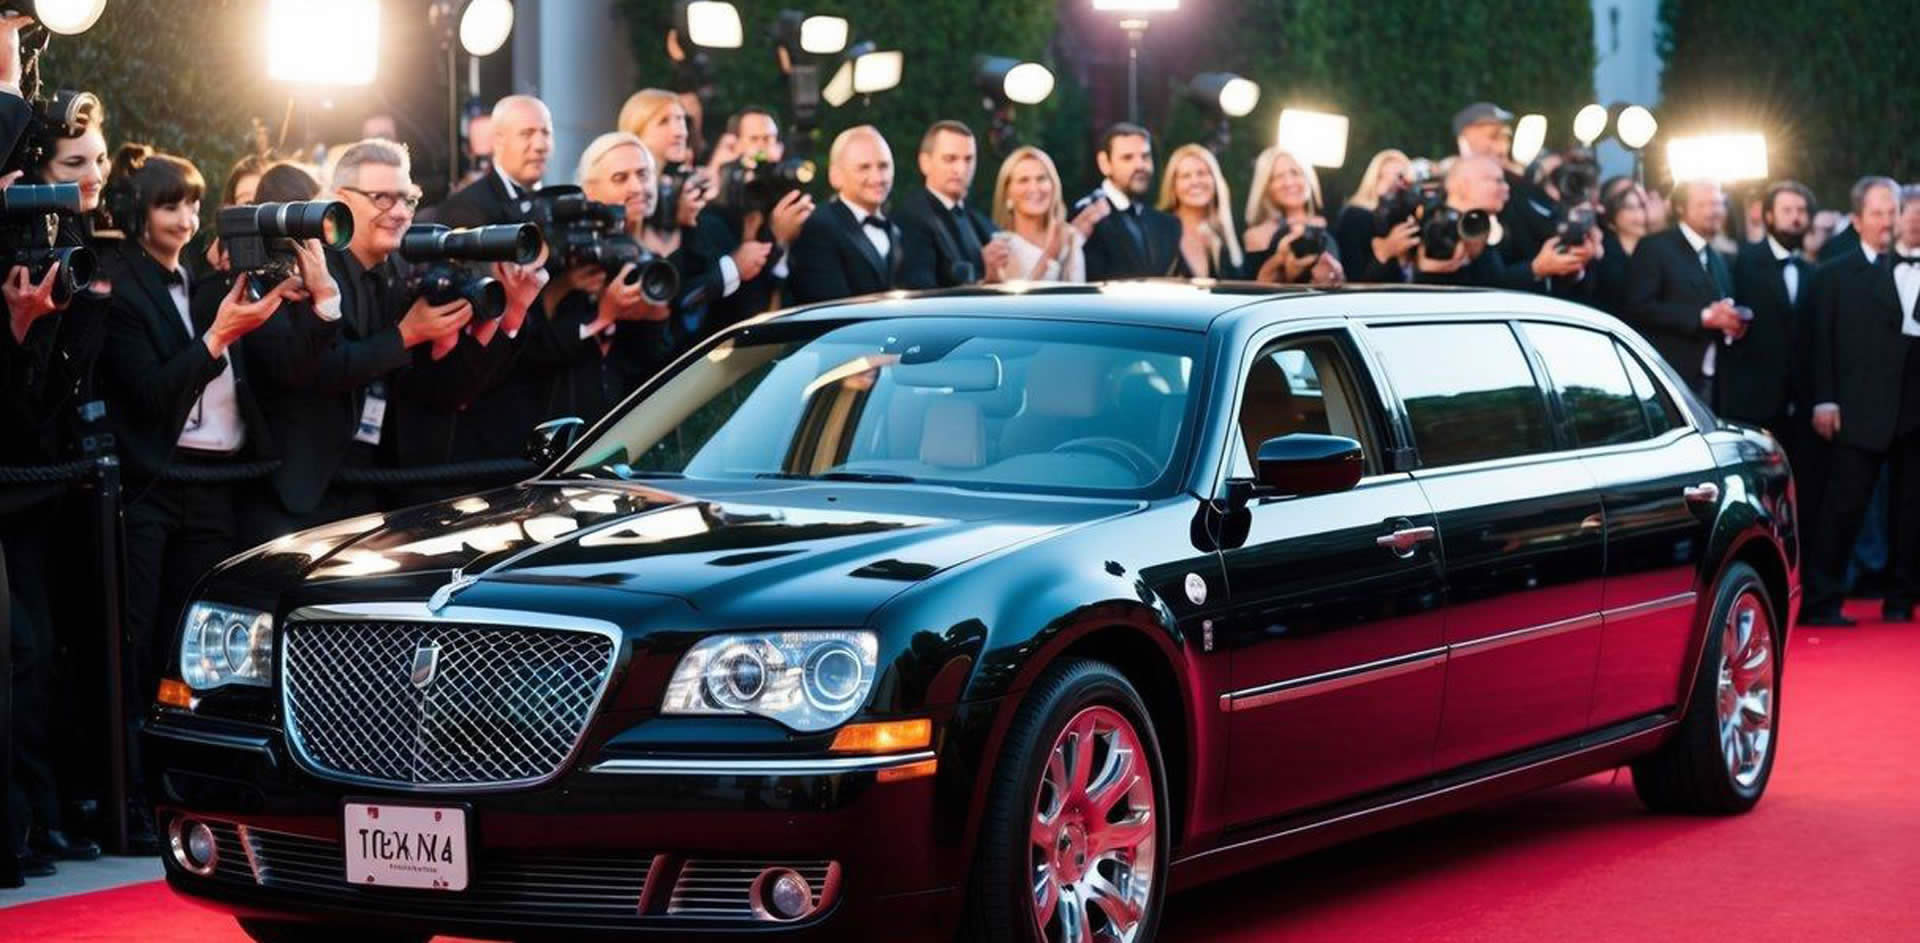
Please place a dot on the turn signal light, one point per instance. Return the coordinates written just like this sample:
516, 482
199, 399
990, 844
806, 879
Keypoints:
894, 774
891, 736
175, 694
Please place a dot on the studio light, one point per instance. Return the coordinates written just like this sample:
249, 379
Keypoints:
1723, 157
878, 71
708, 24
68, 17
823, 35
1135, 6
1589, 123
839, 89
485, 26
323, 42
1004, 79
1133, 19
1224, 93
1316, 137
1635, 127
1529, 138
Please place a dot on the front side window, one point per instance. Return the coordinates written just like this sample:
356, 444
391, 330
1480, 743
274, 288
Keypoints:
990, 403
1301, 384
1593, 386
1469, 391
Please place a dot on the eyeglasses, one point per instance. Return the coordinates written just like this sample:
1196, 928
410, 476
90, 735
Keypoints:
385, 199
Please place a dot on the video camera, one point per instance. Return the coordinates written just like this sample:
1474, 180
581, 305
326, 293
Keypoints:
30, 235
675, 183
443, 279
259, 237
1441, 226
756, 184
582, 232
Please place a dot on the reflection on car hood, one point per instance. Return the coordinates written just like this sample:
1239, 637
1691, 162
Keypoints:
766, 548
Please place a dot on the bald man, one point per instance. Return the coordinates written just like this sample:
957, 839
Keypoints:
1478, 183
849, 247
522, 138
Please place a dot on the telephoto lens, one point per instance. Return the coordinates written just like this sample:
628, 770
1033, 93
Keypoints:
442, 282
518, 243
329, 221
25, 199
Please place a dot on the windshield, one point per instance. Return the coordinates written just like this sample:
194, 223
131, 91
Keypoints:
987, 403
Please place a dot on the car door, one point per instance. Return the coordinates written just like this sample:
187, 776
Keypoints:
1334, 623
1521, 533
1660, 487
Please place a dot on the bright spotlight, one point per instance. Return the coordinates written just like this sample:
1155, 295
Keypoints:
1636, 127
1135, 6
823, 35
713, 25
1589, 123
1005, 79
1529, 137
323, 42
839, 89
1224, 93
485, 25
1722, 157
68, 17
1318, 138
878, 71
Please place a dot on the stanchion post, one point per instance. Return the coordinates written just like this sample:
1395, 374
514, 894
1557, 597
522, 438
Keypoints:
106, 498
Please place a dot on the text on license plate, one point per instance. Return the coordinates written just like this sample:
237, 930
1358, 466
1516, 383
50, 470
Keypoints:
406, 846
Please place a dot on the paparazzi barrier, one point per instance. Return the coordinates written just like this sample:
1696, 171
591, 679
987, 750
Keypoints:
101, 477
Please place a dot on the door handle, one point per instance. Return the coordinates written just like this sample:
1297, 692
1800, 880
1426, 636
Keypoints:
1705, 492
1403, 541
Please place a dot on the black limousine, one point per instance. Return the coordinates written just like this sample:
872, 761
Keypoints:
993, 615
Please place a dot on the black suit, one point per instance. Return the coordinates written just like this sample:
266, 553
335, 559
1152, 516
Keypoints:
1489, 269
1866, 365
1763, 376
942, 246
1610, 276
833, 258
1141, 242
483, 202
1529, 218
1667, 288
1840, 244
717, 235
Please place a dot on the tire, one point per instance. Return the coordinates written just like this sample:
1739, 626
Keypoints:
1711, 767
1094, 863
278, 931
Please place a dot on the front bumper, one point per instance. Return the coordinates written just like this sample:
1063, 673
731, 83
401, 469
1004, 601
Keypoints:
629, 847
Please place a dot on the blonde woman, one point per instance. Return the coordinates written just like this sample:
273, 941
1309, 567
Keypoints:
1376, 258
1283, 203
1195, 192
1028, 207
659, 119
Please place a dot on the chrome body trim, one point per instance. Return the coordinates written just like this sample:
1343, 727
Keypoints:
231, 741
813, 766
1328, 681
1528, 634
1651, 606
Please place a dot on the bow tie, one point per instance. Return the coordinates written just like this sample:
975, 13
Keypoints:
1900, 260
876, 221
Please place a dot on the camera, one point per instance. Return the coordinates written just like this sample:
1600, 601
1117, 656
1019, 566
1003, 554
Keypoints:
1312, 241
755, 184
582, 232
30, 235
675, 184
1442, 230
443, 279
1574, 227
259, 237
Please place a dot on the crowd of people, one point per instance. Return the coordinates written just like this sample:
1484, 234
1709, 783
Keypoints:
344, 364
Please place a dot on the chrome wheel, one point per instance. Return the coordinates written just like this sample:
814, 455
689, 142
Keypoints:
1091, 846
1746, 689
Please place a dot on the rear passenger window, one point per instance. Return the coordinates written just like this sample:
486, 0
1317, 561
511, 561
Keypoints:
1594, 389
1658, 407
1468, 389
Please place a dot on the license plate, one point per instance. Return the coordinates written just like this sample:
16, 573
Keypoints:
406, 846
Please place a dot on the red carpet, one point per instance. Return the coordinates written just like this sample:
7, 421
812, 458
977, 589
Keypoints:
1831, 853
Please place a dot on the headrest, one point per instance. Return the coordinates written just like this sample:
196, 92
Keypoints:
1063, 382
953, 435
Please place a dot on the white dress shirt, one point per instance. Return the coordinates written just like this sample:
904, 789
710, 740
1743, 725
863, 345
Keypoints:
1024, 255
881, 241
213, 424
1789, 272
1118, 197
1906, 278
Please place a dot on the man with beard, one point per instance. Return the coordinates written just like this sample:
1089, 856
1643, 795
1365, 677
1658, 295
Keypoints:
1134, 240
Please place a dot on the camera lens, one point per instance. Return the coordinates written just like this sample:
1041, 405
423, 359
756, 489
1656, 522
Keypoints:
1476, 224
658, 281
25, 198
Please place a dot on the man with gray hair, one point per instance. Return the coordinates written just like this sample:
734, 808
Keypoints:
522, 133
848, 248
1866, 393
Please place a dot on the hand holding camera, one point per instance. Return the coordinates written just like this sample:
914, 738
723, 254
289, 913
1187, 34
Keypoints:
789, 215
427, 322
751, 258
1557, 261
1403, 237
239, 317
523, 283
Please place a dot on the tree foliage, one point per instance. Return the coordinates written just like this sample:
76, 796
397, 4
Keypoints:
1827, 83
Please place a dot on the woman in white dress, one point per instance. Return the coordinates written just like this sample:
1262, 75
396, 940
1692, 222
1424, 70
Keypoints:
1029, 209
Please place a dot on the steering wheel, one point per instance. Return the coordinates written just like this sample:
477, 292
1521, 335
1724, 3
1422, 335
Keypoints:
1126, 453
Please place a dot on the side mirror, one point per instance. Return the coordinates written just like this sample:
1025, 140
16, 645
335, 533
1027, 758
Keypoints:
1305, 464
552, 439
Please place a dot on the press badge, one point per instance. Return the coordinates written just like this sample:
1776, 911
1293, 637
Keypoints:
372, 414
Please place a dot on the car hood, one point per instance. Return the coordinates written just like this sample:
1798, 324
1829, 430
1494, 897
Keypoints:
796, 552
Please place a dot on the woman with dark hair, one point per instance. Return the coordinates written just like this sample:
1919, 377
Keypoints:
286, 182
1623, 222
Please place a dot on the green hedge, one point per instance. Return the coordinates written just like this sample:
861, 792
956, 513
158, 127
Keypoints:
1830, 84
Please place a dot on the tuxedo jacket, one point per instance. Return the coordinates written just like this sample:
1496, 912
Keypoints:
483, 202
1859, 352
1767, 369
833, 258
717, 235
942, 247
1666, 290
1114, 252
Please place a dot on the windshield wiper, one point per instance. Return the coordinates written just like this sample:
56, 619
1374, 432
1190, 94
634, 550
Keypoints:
886, 478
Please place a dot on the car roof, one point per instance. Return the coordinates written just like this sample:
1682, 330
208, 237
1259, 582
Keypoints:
1182, 304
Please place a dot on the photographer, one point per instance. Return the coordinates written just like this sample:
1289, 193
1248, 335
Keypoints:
1287, 239
659, 119
1455, 237
1485, 130
747, 231
1379, 251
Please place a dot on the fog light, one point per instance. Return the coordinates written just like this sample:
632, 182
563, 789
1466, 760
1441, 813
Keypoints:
782, 894
193, 846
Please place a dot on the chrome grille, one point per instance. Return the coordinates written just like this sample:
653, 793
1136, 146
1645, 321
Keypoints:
500, 705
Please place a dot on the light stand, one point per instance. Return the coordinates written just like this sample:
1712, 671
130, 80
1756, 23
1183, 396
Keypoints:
444, 16
1136, 27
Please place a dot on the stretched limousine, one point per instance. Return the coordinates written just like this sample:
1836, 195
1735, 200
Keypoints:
992, 614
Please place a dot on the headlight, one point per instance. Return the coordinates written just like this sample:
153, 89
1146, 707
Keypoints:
808, 681
226, 645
